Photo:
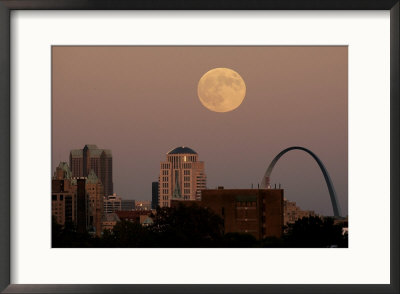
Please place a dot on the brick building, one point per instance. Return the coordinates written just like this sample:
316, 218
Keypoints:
258, 212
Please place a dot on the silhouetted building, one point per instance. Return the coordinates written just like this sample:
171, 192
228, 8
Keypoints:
81, 224
258, 212
182, 176
81, 161
154, 195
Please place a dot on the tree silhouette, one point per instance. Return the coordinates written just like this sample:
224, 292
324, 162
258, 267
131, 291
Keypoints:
315, 232
126, 234
187, 226
67, 237
191, 226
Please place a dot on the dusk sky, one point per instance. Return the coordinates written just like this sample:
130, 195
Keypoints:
141, 102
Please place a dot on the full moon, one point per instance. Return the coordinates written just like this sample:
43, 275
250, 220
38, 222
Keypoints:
221, 90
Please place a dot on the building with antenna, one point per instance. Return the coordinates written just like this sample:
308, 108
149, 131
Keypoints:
258, 212
181, 176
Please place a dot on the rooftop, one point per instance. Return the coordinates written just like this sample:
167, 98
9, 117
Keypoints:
182, 150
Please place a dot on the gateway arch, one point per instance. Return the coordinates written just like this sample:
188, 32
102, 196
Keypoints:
332, 193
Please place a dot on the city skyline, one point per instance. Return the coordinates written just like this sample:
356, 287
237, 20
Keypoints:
141, 108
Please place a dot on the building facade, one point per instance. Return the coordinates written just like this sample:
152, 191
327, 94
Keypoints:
63, 203
292, 212
63, 196
258, 212
182, 176
81, 161
113, 203
95, 191
77, 200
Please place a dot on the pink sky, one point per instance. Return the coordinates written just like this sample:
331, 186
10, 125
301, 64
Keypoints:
141, 102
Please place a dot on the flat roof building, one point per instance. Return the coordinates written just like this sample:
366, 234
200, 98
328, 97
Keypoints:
258, 212
82, 161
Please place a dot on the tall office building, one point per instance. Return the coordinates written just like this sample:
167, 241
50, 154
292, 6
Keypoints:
82, 206
181, 176
95, 192
81, 161
154, 195
63, 196
77, 200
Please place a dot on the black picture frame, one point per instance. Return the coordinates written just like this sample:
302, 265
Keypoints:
6, 6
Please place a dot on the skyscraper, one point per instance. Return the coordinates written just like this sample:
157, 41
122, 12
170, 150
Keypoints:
89, 158
95, 192
63, 197
182, 176
82, 206
77, 200
154, 195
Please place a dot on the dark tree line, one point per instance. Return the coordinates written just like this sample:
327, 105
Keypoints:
196, 227
315, 232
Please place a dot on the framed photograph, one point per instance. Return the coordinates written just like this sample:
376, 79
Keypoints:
202, 147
